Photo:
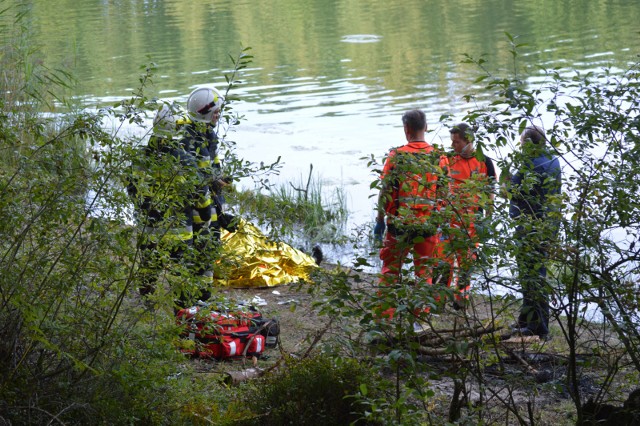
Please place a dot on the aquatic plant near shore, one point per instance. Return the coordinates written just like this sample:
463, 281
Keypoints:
299, 213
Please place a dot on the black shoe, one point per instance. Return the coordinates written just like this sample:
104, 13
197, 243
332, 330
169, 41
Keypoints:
459, 305
517, 332
523, 331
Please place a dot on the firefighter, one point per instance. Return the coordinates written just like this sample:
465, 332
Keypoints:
163, 187
201, 141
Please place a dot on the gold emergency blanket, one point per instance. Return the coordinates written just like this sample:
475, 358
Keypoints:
248, 259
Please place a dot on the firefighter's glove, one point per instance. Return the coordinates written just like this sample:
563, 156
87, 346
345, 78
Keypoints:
228, 222
378, 230
218, 185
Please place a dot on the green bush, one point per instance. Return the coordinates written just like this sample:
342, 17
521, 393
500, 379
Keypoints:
312, 391
76, 344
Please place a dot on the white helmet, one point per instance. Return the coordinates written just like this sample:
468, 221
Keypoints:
168, 119
203, 103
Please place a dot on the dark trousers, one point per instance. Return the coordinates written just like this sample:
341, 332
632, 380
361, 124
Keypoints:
153, 258
531, 257
206, 239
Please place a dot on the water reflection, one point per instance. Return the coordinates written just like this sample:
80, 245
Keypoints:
361, 38
330, 79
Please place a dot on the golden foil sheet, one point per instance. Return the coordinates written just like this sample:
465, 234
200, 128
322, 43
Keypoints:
249, 259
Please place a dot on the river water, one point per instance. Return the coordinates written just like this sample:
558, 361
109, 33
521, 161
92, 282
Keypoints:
329, 79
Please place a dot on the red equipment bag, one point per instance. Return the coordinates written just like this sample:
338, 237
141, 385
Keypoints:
224, 334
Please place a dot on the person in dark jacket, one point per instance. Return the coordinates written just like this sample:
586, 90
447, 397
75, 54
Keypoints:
201, 141
532, 209
162, 187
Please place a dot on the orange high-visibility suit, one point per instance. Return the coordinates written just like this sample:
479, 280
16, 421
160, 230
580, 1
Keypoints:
469, 177
410, 174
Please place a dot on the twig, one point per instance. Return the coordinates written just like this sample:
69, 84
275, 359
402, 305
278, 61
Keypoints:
306, 190
522, 361
317, 338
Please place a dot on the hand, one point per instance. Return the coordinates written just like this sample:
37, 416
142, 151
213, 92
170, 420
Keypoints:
378, 230
228, 222
218, 185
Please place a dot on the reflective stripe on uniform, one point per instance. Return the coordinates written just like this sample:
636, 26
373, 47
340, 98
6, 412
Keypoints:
182, 234
202, 204
197, 219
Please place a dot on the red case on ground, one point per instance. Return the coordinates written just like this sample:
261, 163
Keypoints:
223, 335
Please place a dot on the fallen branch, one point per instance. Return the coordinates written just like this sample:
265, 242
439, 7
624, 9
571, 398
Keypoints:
522, 361
443, 351
438, 338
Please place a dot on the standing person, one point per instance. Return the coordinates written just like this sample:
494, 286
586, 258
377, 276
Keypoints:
162, 186
531, 189
471, 195
408, 198
205, 106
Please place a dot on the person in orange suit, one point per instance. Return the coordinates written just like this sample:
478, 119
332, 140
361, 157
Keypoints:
408, 199
471, 194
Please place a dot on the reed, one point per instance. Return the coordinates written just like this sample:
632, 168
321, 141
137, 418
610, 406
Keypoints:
303, 208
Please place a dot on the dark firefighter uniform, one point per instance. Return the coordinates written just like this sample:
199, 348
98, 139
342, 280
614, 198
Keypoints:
201, 142
163, 188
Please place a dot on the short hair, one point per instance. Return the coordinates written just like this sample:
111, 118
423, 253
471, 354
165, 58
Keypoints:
535, 134
464, 130
415, 120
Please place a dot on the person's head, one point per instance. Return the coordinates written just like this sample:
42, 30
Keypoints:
415, 122
461, 137
168, 120
534, 135
204, 104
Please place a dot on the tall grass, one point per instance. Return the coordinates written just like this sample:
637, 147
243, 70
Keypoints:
301, 210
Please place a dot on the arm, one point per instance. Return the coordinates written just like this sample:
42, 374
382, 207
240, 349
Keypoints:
383, 198
386, 189
443, 184
219, 180
491, 185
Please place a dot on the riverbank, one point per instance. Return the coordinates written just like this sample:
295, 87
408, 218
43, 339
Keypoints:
504, 380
